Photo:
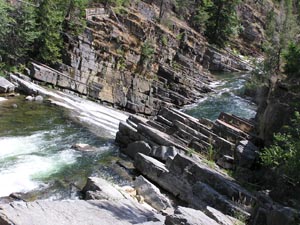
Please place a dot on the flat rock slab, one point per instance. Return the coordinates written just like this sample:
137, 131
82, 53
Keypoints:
77, 212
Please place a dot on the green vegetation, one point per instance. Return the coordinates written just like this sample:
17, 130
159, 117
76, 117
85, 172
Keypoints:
292, 56
202, 15
164, 40
18, 32
147, 50
28, 30
217, 19
222, 21
284, 154
280, 48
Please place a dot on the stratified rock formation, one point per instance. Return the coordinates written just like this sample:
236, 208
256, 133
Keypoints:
129, 60
164, 151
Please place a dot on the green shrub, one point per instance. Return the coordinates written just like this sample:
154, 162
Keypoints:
292, 59
147, 50
164, 40
284, 154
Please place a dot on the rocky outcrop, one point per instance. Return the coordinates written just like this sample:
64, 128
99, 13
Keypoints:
268, 212
166, 158
105, 204
132, 62
188, 216
77, 212
278, 103
98, 189
151, 194
6, 86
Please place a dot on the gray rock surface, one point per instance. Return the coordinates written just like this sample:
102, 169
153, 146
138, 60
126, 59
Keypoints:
219, 216
164, 152
6, 86
78, 212
39, 98
188, 216
136, 147
83, 147
29, 98
226, 162
245, 154
151, 194
97, 188
195, 183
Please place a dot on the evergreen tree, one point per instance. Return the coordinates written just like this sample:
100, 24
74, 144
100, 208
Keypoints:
74, 21
292, 58
201, 17
19, 33
6, 23
222, 21
50, 43
281, 30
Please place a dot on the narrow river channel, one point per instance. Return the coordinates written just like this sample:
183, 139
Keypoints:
227, 98
36, 140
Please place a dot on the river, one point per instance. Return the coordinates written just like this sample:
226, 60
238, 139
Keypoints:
36, 138
35, 146
227, 98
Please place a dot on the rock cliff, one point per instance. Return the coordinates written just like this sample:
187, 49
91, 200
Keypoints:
277, 104
129, 60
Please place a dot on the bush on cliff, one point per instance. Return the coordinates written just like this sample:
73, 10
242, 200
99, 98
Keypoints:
292, 58
284, 154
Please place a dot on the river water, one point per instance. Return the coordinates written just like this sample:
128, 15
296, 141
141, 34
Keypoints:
35, 147
229, 88
36, 138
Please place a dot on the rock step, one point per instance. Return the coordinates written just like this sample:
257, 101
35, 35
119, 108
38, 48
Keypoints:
197, 184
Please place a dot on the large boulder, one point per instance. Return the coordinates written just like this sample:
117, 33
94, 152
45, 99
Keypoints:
98, 189
151, 194
246, 154
188, 216
6, 86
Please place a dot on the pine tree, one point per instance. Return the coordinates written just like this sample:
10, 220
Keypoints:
222, 21
20, 33
282, 29
201, 17
50, 21
6, 22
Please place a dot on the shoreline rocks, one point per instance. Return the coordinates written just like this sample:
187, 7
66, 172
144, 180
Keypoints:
6, 86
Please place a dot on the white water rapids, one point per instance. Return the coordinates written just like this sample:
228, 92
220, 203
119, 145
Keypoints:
26, 160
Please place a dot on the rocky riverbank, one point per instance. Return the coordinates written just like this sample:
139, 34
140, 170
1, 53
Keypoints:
185, 157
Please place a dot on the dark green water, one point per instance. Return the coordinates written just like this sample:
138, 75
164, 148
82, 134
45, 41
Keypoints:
35, 153
229, 87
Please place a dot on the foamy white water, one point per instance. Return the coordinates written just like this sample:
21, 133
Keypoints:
25, 160
28, 162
